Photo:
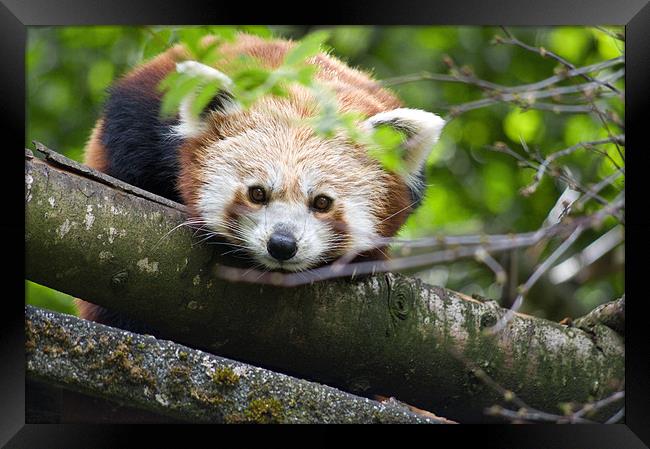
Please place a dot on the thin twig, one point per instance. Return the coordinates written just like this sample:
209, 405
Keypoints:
487, 85
617, 36
543, 167
561, 174
500, 275
527, 99
512, 40
592, 191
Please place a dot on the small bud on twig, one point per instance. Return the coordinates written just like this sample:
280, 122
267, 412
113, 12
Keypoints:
446, 60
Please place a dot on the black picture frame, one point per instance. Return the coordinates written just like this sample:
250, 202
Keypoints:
17, 15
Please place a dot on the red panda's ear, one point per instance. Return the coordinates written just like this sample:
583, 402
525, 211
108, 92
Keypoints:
422, 131
190, 124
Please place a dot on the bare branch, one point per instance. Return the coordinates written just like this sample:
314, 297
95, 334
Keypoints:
528, 414
355, 269
616, 417
597, 249
593, 190
489, 86
560, 173
617, 36
589, 145
528, 99
611, 314
512, 40
500, 275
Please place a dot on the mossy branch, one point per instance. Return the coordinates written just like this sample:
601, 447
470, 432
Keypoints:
386, 334
173, 380
611, 314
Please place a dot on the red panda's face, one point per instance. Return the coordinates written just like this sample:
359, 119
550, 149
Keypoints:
288, 198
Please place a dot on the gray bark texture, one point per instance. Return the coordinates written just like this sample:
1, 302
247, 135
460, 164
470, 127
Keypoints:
386, 334
183, 383
611, 314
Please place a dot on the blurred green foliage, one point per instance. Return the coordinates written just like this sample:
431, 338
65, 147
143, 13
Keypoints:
470, 189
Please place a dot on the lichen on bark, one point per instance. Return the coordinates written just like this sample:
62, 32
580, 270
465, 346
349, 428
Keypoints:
184, 383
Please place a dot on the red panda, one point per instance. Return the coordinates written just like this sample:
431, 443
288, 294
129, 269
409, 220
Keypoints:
260, 177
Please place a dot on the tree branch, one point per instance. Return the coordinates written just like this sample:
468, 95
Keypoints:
386, 334
183, 383
611, 314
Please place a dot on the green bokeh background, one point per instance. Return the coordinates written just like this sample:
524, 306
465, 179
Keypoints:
470, 188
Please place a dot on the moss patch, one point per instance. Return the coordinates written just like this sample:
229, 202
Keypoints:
177, 380
259, 411
206, 398
264, 411
225, 376
119, 358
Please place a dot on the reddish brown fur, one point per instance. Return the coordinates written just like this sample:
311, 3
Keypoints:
95, 155
239, 206
338, 225
88, 311
398, 209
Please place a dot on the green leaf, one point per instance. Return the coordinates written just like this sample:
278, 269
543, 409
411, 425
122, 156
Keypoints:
208, 54
387, 147
325, 124
191, 38
309, 46
278, 89
305, 75
349, 121
173, 98
40, 296
258, 30
390, 160
205, 95
226, 33
211, 54
388, 137
169, 81
157, 42
250, 79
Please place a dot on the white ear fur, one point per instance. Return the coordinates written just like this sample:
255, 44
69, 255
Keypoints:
423, 130
191, 125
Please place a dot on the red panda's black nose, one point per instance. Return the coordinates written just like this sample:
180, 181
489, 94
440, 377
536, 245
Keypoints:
282, 245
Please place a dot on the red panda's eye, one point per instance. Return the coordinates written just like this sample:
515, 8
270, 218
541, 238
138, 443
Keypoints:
321, 203
257, 194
